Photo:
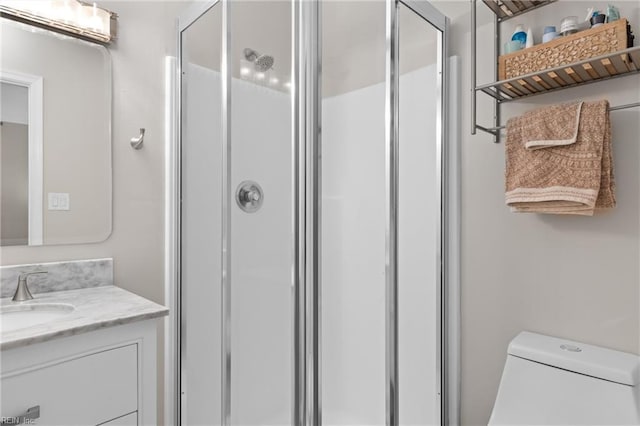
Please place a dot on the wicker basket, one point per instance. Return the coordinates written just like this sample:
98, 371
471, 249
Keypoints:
607, 38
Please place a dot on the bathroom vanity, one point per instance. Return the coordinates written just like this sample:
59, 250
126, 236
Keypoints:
80, 357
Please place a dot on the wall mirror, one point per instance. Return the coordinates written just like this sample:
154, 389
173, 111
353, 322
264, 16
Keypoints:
55, 141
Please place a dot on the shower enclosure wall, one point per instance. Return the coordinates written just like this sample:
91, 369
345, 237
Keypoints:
309, 236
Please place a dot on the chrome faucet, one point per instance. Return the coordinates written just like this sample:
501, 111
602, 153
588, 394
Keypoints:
22, 292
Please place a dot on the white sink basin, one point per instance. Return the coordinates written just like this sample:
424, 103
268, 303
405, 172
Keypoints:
15, 317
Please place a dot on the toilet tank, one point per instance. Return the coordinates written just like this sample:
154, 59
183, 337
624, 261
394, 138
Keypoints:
552, 381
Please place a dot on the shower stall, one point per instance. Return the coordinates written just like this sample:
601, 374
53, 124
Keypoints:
308, 245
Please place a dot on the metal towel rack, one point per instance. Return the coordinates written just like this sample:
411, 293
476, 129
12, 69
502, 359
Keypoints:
612, 65
614, 108
626, 106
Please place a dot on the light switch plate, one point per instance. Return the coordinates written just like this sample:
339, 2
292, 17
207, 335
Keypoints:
59, 201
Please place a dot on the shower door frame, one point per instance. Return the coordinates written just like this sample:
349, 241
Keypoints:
306, 172
448, 401
176, 349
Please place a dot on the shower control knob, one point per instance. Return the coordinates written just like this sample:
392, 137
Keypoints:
249, 196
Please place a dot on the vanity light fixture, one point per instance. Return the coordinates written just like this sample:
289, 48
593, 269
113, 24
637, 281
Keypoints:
69, 17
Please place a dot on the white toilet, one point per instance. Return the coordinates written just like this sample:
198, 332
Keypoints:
551, 381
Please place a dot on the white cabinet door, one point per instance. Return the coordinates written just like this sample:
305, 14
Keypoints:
86, 390
128, 420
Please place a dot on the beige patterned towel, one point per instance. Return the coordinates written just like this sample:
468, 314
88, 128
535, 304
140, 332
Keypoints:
558, 160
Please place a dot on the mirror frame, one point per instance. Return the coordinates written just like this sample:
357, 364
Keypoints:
34, 85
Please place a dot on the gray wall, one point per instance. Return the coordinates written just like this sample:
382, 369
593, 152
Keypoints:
573, 277
146, 33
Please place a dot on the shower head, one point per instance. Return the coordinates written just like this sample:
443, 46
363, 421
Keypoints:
261, 63
264, 63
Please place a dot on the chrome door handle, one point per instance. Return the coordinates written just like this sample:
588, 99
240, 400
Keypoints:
27, 418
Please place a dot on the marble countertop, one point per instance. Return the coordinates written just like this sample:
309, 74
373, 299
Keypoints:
95, 308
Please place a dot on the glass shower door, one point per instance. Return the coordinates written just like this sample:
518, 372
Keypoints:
353, 213
311, 270
201, 211
382, 212
236, 214
260, 228
419, 218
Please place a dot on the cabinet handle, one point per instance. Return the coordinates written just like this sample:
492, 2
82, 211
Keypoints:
26, 418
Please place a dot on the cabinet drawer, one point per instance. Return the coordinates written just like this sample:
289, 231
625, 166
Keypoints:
87, 390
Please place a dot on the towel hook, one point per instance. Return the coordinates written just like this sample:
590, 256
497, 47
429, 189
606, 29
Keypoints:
136, 143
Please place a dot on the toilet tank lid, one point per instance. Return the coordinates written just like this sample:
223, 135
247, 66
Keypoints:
607, 364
